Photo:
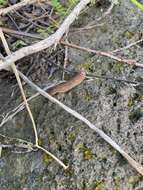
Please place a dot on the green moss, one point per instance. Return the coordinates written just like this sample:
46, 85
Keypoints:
40, 141
128, 34
3, 3
133, 180
119, 67
138, 4
44, 32
130, 102
72, 136
47, 159
18, 44
87, 152
133, 99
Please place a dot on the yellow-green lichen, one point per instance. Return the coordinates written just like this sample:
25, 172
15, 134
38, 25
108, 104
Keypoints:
133, 99
88, 155
47, 159
128, 34
133, 180
88, 66
119, 67
117, 184
88, 96
87, 152
100, 185
40, 141
72, 136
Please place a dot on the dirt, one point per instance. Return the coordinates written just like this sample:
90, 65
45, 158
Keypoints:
115, 107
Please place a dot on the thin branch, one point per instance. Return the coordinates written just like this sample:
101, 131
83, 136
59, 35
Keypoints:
9, 142
102, 53
66, 54
127, 47
17, 6
109, 10
20, 33
13, 66
54, 157
134, 164
51, 40
84, 29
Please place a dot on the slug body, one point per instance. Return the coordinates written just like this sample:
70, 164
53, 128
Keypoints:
68, 85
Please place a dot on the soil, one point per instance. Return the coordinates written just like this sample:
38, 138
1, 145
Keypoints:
115, 107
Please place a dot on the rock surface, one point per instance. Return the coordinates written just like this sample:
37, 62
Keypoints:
115, 107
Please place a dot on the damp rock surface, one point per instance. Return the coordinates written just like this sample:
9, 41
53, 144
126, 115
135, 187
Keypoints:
115, 107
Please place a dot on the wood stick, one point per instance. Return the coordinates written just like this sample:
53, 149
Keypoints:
102, 53
17, 6
13, 66
20, 33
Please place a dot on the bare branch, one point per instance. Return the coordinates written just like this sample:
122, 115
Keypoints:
9, 142
102, 53
17, 6
54, 157
13, 66
20, 33
128, 46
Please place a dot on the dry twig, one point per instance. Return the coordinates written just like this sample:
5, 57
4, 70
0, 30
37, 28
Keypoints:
17, 6
128, 46
107, 12
66, 54
20, 33
13, 66
102, 53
